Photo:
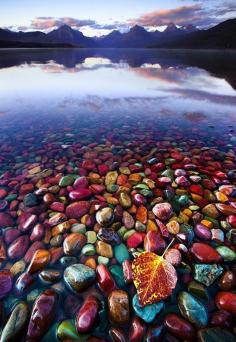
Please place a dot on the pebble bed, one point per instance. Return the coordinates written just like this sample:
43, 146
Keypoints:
81, 198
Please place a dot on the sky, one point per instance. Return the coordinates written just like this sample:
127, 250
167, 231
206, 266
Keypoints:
98, 17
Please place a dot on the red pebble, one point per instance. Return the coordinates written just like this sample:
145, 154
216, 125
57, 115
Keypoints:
226, 301
137, 330
205, 253
105, 281
87, 314
135, 240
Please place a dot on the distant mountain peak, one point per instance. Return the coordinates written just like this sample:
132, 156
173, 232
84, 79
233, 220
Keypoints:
137, 29
171, 27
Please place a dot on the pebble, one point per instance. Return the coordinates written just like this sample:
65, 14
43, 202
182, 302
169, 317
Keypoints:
204, 253
207, 273
87, 315
79, 277
118, 307
121, 253
226, 301
73, 243
148, 312
105, 216
192, 310
16, 323
6, 282
163, 211
42, 315
179, 327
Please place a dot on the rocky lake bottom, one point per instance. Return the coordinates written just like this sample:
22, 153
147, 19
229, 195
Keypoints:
117, 196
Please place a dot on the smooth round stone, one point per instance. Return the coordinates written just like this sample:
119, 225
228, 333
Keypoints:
18, 267
227, 254
105, 216
43, 313
105, 280
6, 282
80, 194
210, 211
68, 260
18, 248
66, 330
173, 256
104, 249
179, 327
88, 250
226, 301
221, 318
121, 253
6, 220
228, 281
91, 236
153, 242
50, 276
81, 183
202, 232
111, 178
226, 209
207, 273
73, 243
137, 330
79, 277
56, 241
78, 228
77, 209
87, 315
58, 206
109, 236
118, 307
16, 323
163, 211
103, 260
23, 282
128, 220
30, 200
66, 180
40, 259
173, 227
37, 233
197, 289
147, 312
125, 200
135, 240
117, 274
205, 253
192, 310
216, 334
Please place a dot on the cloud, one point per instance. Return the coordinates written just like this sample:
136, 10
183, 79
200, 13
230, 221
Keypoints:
45, 23
194, 14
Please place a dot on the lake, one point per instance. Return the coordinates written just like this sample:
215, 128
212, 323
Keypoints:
106, 154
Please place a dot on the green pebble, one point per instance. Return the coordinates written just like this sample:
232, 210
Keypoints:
146, 193
192, 309
91, 236
128, 234
112, 188
183, 200
66, 180
10, 198
67, 331
140, 227
88, 250
197, 289
103, 260
227, 254
194, 207
78, 228
215, 334
122, 231
121, 253
118, 275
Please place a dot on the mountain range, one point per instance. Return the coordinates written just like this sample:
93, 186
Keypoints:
220, 36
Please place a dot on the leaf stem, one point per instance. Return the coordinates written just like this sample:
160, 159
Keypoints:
168, 247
